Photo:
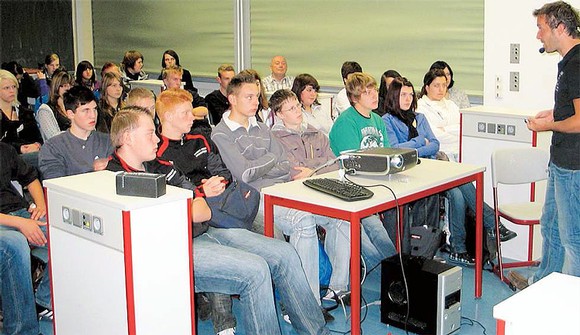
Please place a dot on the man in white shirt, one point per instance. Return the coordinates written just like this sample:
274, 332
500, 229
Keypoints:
340, 102
278, 80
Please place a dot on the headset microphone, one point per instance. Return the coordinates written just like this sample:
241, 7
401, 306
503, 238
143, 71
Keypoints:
542, 50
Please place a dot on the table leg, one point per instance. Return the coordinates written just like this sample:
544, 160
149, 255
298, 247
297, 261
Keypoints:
478, 234
355, 287
268, 216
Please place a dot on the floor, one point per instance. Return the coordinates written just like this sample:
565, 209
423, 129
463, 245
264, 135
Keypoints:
476, 313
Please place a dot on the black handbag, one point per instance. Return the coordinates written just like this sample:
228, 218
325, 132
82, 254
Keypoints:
236, 207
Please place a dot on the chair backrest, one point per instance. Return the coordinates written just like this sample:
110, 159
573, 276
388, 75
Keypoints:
519, 165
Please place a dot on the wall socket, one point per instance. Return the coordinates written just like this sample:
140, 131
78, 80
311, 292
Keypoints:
514, 81
515, 53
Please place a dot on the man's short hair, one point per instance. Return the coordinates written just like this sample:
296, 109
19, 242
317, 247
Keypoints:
170, 98
126, 119
244, 77
107, 66
279, 98
561, 12
171, 70
77, 96
357, 83
131, 58
349, 67
224, 68
139, 93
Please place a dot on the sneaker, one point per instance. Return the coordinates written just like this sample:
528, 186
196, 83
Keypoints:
327, 316
286, 318
45, 314
518, 280
338, 296
461, 258
229, 331
506, 234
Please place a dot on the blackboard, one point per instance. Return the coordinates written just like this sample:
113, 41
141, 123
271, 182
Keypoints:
30, 30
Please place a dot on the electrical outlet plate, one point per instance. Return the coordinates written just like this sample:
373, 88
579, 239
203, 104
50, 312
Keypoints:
515, 53
514, 81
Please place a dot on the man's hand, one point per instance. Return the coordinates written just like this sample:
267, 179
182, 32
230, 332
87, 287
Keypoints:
31, 230
213, 186
37, 212
100, 164
304, 172
541, 121
27, 148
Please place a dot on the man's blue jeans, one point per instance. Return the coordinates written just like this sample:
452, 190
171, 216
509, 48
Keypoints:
16, 284
285, 270
560, 224
237, 261
460, 198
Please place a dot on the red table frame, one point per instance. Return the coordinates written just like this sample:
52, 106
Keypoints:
354, 218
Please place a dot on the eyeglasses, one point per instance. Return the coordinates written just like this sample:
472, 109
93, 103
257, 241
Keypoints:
295, 108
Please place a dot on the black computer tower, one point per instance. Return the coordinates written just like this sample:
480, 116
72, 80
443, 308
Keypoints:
434, 295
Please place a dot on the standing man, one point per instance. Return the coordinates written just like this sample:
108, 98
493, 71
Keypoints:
217, 101
559, 30
278, 79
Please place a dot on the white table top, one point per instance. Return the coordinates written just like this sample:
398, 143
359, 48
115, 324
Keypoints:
428, 174
550, 306
100, 187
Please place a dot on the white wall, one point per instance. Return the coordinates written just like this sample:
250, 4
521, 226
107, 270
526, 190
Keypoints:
509, 22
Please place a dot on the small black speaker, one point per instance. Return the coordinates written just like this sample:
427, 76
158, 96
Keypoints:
140, 184
434, 297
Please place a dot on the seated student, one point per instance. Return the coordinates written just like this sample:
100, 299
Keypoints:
443, 116
144, 98
51, 117
255, 156
85, 75
263, 113
172, 78
170, 59
21, 225
386, 79
26, 85
221, 263
111, 101
358, 127
51, 64
17, 125
132, 67
278, 79
441, 113
308, 148
80, 149
405, 127
340, 101
217, 101
454, 94
306, 89
110, 67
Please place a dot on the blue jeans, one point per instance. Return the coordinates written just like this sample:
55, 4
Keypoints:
286, 272
16, 285
560, 224
301, 227
43, 295
460, 198
376, 244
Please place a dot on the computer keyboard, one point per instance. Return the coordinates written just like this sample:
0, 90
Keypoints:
344, 190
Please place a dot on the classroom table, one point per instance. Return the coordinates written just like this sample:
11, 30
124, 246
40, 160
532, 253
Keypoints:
427, 178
